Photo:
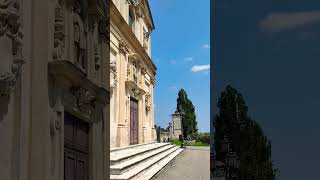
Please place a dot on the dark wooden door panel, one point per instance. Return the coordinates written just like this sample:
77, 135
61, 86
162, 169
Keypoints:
76, 147
82, 166
69, 166
134, 122
82, 135
69, 125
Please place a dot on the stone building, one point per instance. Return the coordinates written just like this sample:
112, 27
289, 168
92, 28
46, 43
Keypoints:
176, 129
132, 74
134, 154
53, 90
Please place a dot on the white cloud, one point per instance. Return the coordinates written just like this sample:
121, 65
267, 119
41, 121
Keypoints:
188, 59
198, 68
276, 22
206, 46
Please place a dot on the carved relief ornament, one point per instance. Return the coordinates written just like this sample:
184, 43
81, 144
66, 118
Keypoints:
113, 72
84, 100
10, 46
123, 47
134, 2
59, 35
148, 102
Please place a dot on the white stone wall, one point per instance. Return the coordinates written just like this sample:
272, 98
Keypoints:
31, 113
126, 46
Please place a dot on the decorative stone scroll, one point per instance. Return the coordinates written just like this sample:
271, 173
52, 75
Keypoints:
11, 59
148, 101
113, 72
56, 118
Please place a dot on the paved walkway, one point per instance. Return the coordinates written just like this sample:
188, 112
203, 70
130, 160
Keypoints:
192, 164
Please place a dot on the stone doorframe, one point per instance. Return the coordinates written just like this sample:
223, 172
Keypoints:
137, 121
134, 92
70, 91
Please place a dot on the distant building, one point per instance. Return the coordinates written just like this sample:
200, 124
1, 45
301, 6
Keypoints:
176, 128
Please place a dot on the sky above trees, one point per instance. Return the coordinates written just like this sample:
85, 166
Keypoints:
181, 51
269, 50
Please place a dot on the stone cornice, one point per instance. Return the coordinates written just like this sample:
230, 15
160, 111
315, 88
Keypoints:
149, 17
68, 71
116, 17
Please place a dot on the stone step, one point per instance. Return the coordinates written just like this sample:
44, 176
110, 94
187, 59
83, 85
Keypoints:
157, 167
120, 156
143, 165
124, 166
131, 146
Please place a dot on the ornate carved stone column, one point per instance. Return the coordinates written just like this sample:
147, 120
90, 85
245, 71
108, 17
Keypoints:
59, 32
113, 74
153, 81
10, 46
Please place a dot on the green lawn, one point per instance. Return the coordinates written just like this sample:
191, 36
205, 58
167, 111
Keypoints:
178, 143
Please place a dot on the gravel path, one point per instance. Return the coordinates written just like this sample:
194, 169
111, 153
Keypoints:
192, 164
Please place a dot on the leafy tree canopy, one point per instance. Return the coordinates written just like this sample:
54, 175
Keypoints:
187, 111
245, 135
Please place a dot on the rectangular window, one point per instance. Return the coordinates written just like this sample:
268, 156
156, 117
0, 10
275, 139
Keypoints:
147, 85
131, 20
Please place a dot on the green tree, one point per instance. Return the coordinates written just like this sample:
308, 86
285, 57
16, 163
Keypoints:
187, 111
245, 135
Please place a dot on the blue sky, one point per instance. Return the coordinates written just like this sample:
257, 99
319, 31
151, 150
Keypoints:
269, 50
181, 52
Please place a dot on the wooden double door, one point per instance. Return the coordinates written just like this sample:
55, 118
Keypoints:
76, 148
134, 122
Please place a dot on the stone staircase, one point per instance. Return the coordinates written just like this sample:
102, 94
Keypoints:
141, 162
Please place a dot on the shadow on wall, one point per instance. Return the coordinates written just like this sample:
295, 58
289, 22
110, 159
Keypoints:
4, 102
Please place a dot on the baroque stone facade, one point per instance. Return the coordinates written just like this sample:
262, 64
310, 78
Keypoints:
132, 74
54, 89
